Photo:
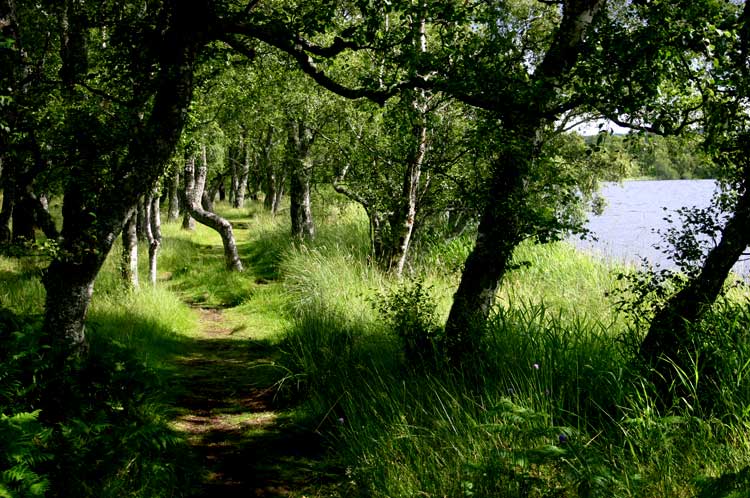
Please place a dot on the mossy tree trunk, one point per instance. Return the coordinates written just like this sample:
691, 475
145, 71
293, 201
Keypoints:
299, 156
508, 217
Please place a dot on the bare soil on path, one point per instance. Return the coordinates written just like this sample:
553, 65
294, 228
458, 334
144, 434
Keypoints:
227, 411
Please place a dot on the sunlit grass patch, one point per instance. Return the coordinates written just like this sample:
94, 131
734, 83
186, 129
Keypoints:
562, 279
262, 317
21, 288
151, 322
551, 405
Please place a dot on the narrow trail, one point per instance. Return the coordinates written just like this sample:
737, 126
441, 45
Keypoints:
246, 445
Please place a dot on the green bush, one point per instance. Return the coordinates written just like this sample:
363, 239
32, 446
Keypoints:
411, 312
92, 427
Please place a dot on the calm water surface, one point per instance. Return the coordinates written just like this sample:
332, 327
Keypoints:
626, 228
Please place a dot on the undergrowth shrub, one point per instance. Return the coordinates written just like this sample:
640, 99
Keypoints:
25, 441
91, 428
410, 310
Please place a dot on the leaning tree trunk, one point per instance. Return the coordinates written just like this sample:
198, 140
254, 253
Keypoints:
501, 229
129, 261
667, 342
300, 160
194, 185
207, 202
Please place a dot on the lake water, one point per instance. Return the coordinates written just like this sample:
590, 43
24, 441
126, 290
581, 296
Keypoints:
625, 230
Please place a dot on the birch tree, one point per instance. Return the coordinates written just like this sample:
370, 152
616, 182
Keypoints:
195, 182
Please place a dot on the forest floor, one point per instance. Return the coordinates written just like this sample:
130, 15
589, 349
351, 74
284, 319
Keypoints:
246, 440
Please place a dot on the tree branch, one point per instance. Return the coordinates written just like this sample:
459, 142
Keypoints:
651, 128
345, 191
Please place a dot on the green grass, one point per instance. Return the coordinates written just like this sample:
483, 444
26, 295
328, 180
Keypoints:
552, 405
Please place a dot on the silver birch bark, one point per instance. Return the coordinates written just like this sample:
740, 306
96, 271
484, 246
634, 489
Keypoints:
174, 196
188, 176
274, 180
300, 142
193, 193
402, 223
234, 180
129, 262
153, 233
243, 172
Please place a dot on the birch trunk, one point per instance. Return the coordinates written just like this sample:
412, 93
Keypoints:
270, 200
274, 181
666, 343
129, 262
174, 196
188, 176
141, 220
300, 142
501, 229
153, 233
94, 214
402, 222
233, 171
243, 172
193, 191
207, 202
502, 226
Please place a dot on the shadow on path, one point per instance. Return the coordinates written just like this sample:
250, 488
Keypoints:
227, 413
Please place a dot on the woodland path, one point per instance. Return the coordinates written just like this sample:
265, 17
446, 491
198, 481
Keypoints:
247, 445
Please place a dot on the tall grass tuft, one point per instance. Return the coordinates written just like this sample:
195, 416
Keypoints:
552, 406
